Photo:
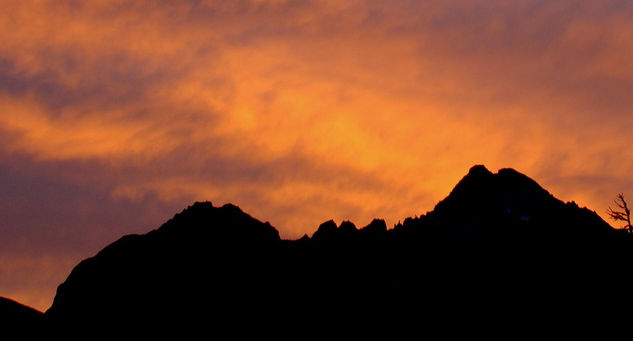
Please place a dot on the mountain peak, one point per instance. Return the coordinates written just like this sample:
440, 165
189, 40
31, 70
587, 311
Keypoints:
347, 227
480, 178
203, 219
507, 190
325, 231
376, 226
479, 170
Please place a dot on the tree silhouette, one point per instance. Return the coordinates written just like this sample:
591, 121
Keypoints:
623, 214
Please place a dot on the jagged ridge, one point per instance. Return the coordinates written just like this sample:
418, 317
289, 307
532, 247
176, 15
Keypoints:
495, 235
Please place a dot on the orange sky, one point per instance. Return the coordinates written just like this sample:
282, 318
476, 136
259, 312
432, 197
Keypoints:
115, 115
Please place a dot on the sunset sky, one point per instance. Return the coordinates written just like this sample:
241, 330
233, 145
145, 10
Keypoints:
115, 115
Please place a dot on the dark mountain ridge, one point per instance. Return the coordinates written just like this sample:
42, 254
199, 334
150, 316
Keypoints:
19, 317
498, 240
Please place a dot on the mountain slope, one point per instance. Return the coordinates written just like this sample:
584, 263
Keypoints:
510, 209
188, 259
497, 239
17, 318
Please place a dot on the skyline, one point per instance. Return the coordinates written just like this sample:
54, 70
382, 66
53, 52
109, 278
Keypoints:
116, 116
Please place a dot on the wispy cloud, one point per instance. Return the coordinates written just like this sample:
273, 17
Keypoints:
114, 115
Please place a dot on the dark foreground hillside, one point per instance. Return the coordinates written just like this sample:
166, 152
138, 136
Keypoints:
19, 318
499, 243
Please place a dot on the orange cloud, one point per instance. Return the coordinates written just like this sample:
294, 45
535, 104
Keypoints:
301, 111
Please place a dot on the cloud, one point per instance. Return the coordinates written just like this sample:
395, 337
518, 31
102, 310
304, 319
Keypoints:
116, 115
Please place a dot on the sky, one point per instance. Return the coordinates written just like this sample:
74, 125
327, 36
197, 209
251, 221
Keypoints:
115, 115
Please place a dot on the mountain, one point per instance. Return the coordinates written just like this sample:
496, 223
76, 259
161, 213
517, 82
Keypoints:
499, 240
18, 318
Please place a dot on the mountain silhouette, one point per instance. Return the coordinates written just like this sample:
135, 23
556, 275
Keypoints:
498, 241
18, 316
